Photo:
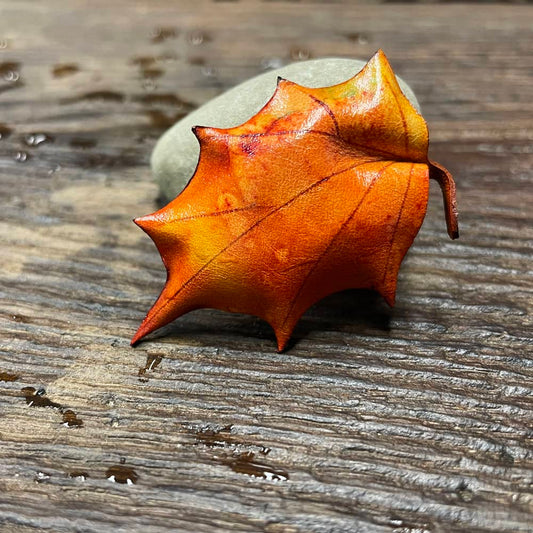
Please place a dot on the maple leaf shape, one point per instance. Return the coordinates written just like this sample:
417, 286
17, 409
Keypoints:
322, 190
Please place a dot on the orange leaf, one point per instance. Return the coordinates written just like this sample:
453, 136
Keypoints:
323, 190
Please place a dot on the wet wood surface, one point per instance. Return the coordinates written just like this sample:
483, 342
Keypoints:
415, 419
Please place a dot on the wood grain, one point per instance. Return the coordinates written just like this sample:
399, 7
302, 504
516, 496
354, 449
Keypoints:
416, 419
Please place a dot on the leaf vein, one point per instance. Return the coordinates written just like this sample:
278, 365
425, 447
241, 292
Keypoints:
397, 223
219, 213
251, 228
364, 149
329, 112
330, 244
402, 116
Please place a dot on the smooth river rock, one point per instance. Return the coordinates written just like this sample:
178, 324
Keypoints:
176, 153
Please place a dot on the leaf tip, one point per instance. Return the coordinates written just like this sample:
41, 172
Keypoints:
139, 334
206, 134
388, 289
283, 334
199, 132
282, 344
147, 223
378, 57
149, 324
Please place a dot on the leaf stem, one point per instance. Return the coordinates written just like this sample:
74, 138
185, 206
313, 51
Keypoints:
447, 185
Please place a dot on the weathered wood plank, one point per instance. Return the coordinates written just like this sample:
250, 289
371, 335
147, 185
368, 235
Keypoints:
412, 419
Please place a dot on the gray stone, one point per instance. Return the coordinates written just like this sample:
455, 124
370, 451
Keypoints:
176, 153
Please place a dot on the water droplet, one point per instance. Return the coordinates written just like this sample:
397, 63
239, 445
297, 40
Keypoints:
11, 76
168, 57
143, 61
21, 157
122, 474
197, 61
268, 63
243, 463
8, 376
3, 44
159, 35
5, 131
70, 419
209, 72
359, 38
65, 69
37, 398
152, 73
78, 475
300, 54
57, 168
110, 96
149, 84
152, 362
36, 139
41, 477
197, 37
9, 70
215, 437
